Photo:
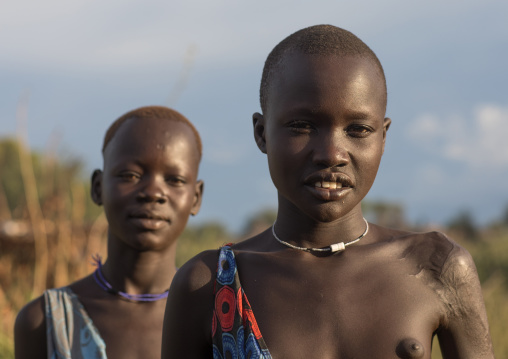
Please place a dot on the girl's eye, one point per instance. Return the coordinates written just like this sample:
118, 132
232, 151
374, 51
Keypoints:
176, 181
129, 176
300, 127
359, 130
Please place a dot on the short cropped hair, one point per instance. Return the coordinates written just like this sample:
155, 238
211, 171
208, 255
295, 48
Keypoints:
151, 112
314, 40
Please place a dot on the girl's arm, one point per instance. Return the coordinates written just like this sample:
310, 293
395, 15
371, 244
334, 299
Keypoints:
189, 309
30, 331
466, 331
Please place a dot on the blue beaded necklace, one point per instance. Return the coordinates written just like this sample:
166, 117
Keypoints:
104, 284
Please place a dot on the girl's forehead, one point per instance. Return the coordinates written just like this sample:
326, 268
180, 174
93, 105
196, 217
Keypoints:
315, 80
151, 136
162, 132
302, 67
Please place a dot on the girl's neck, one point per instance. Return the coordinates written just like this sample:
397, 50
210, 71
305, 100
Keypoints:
298, 229
138, 272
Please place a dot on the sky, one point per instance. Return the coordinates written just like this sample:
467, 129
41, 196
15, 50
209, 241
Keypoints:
79, 65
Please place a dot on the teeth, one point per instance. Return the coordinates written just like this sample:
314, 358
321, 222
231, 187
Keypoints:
330, 185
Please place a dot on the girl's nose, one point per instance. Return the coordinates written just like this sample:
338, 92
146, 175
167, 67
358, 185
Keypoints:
152, 192
330, 150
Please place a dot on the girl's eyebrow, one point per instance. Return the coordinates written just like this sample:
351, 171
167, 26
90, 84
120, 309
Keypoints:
301, 110
358, 115
131, 161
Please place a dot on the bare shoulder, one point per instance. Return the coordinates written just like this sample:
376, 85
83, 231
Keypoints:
459, 268
429, 251
451, 262
31, 316
30, 330
189, 309
197, 272
260, 243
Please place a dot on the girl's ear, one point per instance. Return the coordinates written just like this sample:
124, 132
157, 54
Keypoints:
198, 196
96, 190
258, 121
386, 125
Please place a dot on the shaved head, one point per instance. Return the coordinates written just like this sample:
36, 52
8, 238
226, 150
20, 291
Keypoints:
322, 40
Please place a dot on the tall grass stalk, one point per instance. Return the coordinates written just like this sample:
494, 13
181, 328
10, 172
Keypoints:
32, 202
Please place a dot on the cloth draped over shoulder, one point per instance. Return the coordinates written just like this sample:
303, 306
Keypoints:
235, 333
70, 331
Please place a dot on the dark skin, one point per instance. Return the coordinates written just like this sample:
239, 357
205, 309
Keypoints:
383, 297
148, 188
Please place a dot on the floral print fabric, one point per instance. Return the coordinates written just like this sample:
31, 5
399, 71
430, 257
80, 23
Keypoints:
235, 331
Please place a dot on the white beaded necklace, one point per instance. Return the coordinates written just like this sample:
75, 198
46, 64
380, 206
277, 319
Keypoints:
337, 247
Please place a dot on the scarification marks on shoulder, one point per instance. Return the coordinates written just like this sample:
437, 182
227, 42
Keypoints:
428, 253
458, 274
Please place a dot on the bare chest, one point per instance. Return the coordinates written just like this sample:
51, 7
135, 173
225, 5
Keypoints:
130, 330
380, 307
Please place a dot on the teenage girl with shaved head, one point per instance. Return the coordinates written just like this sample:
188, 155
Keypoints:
148, 187
322, 282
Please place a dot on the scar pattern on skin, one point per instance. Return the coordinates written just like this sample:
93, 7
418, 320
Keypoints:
460, 281
429, 253
447, 269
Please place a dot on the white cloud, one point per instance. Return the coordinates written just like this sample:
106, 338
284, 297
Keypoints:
426, 126
480, 141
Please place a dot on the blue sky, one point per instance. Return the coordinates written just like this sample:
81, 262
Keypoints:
81, 64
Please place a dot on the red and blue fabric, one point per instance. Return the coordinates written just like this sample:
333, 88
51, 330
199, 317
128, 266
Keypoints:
235, 332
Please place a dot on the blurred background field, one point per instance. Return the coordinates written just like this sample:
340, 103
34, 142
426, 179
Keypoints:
49, 228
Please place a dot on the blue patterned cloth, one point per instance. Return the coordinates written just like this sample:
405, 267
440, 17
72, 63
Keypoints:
70, 332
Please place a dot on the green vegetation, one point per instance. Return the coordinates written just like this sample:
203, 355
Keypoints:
39, 193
